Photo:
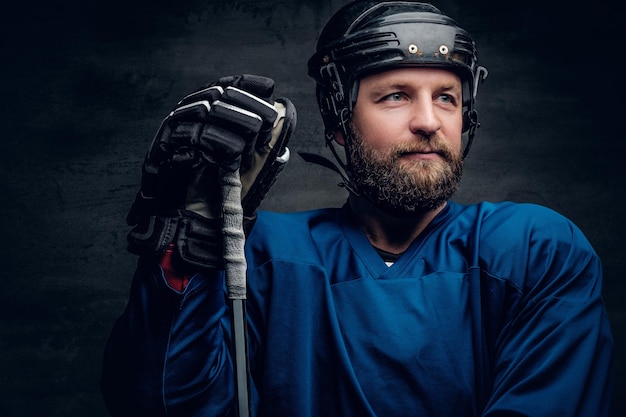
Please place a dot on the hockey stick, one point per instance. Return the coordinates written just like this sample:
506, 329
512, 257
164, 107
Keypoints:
235, 267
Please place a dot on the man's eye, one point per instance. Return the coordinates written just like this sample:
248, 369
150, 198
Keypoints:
395, 97
446, 98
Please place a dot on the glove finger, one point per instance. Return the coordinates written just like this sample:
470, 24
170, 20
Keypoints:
209, 94
170, 156
196, 111
246, 126
266, 110
179, 145
258, 85
259, 91
237, 119
221, 146
156, 158
246, 100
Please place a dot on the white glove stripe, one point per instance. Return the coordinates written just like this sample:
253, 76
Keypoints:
237, 109
255, 98
204, 103
203, 91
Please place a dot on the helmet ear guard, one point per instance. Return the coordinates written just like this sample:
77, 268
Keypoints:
470, 115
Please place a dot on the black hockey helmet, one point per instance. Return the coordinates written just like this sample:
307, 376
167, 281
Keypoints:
364, 37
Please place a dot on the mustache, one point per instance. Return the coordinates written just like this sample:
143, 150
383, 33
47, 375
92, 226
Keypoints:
432, 144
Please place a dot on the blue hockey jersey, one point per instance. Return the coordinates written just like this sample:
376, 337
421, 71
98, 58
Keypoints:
495, 310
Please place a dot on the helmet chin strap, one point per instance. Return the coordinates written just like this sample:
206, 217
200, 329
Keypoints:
348, 138
339, 166
470, 119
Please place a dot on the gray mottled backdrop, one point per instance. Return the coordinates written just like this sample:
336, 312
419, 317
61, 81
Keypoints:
85, 84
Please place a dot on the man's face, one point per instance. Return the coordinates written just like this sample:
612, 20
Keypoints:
406, 150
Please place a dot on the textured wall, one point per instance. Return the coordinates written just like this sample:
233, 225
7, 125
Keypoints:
85, 85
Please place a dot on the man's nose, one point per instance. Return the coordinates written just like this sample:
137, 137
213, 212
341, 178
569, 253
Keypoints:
424, 120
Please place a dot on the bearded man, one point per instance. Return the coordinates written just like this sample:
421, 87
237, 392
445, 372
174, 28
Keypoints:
401, 302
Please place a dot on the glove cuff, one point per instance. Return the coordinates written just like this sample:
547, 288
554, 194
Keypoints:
198, 241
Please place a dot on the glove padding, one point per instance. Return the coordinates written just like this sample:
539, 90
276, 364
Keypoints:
228, 125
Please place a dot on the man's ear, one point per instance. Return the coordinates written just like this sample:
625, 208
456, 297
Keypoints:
339, 137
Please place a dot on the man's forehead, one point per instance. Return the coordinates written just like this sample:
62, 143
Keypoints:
413, 75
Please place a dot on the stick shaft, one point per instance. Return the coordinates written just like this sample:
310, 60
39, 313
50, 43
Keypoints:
240, 356
235, 267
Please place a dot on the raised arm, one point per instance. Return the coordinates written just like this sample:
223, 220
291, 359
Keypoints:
168, 353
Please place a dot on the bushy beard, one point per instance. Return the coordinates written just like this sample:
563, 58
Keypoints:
404, 187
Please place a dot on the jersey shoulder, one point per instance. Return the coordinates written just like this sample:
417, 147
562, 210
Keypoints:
295, 236
528, 222
529, 244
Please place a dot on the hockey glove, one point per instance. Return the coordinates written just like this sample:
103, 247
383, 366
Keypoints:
228, 125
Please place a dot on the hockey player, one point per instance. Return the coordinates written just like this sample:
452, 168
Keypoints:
399, 303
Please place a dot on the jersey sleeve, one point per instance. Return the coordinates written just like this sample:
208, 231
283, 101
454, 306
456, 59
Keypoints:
553, 357
168, 352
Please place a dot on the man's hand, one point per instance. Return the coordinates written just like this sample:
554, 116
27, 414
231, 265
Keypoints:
231, 124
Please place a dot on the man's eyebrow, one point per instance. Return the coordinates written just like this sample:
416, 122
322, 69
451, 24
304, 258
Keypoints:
383, 87
452, 89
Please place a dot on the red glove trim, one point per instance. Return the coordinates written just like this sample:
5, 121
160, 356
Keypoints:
174, 279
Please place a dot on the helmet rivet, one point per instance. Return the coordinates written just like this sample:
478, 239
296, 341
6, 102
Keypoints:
443, 50
413, 48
